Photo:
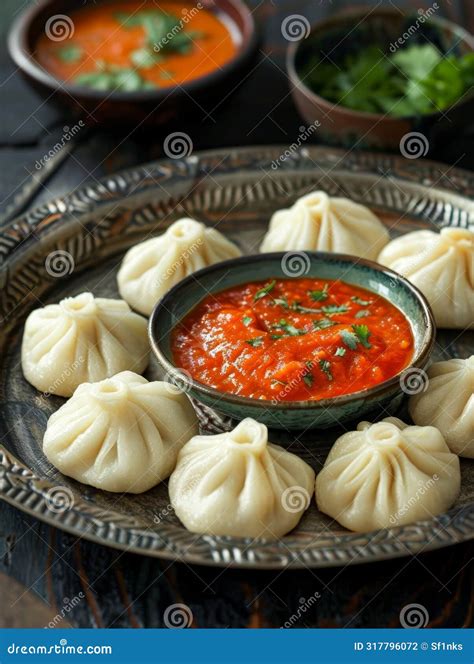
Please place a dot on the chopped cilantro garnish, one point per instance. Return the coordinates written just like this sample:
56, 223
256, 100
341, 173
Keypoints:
363, 303
359, 335
255, 342
281, 302
246, 320
325, 367
69, 53
362, 313
308, 379
363, 334
319, 295
289, 329
264, 291
349, 339
335, 309
323, 323
340, 351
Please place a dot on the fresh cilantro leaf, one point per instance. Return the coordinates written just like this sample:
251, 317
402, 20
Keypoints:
304, 310
340, 351
319, 295
323, 323
281, 302
362, 313
308, 378
358, 300
246, 320
349, 339
262, 292
289, 329
417, 61
363, 334
335, 309
255, 342
144, 58
69, 53
325, 367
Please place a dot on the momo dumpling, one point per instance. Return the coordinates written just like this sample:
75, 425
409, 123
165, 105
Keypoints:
448, 403
122, 434
82, 339
239, 484
387, 474
441, 265
152, 267
318, 222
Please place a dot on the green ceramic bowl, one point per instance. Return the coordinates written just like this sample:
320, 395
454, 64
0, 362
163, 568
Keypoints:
189, 292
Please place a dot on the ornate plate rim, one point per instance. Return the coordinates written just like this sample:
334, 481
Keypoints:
20, 487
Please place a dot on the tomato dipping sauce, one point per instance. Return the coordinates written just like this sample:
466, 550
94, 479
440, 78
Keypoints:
293, 340
130, 46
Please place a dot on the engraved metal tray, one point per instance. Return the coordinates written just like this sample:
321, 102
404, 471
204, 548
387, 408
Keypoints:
76, 243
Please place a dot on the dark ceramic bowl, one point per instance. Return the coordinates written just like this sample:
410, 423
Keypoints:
189, 292
346, 33
130, 108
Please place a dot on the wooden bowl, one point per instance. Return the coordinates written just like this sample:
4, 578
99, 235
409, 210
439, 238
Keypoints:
348, 32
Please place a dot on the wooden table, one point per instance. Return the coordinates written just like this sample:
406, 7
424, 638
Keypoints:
65, 580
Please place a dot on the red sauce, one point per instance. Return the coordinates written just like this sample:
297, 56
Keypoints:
109, 33
293, 340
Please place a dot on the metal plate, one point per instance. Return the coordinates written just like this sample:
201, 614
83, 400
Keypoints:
237, 189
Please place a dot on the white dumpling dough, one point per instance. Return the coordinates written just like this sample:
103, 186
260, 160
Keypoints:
122, 434
448, 404
441, 265
239, 484
387, 474
82, 339
151, 268
318, 222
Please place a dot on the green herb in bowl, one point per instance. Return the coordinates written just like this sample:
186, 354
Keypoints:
416, 80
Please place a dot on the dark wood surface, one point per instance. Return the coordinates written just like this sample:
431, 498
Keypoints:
50, 572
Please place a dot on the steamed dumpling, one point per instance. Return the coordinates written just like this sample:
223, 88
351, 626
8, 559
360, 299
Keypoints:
441, 265
448, 404
122, 434
152, 267
239, 484
387, 474
82, 339
318, 222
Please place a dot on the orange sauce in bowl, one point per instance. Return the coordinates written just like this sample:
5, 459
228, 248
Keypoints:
293, 340
113, 36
